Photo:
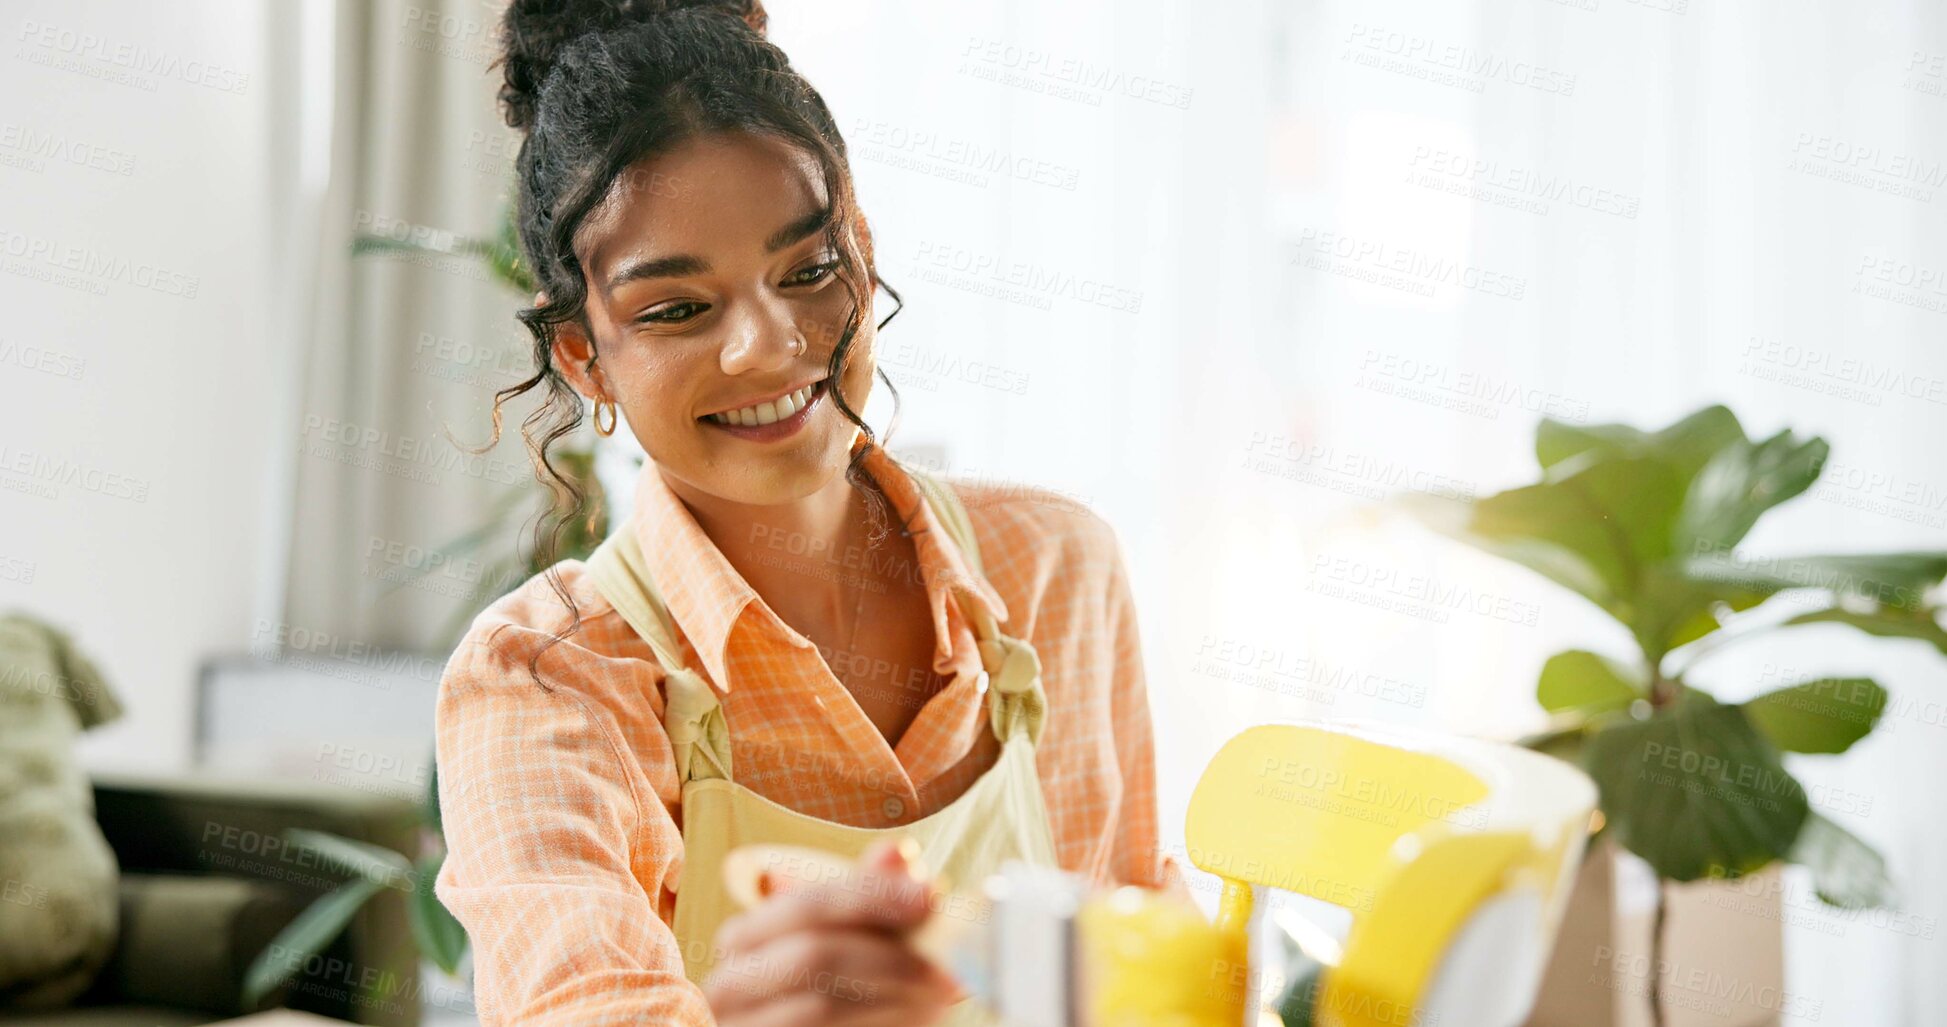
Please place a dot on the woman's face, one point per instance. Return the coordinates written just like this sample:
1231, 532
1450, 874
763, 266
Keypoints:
715, 303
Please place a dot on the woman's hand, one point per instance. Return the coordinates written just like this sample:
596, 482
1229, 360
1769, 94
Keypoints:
832, 953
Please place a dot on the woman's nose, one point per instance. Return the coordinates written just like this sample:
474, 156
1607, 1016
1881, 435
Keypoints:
764, 338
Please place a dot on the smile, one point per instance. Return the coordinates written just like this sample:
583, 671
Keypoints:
773, 419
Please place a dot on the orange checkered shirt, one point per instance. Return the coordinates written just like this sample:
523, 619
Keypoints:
562, 810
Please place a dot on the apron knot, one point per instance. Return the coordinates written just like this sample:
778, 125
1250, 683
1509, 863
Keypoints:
1014, 674
696, 727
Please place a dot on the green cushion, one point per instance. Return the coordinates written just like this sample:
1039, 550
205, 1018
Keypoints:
220, 826
187, 941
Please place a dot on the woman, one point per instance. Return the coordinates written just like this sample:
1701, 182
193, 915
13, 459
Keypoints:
795, 638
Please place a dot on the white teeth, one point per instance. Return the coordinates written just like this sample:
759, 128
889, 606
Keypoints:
768, 413
788, 405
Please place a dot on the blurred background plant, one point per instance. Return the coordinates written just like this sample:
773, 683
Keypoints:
370, 869
1646, 525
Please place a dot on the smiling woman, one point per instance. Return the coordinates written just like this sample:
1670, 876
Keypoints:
669, 136
713, 293
796, 639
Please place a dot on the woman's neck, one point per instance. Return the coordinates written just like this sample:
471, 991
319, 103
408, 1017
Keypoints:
803, 557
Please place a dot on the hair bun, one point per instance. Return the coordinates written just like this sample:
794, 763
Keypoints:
533, 33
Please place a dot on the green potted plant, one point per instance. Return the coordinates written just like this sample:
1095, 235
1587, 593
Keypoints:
1646, 526
369, 870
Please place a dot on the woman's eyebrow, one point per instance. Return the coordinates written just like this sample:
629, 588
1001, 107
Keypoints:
684, 264
798, 229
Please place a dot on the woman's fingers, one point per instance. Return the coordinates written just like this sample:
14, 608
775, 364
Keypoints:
837, 950
877, 893
856, 969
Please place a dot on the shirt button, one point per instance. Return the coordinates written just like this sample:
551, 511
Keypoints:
893, 807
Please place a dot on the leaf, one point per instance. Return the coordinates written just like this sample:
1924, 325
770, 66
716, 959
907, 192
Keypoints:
374, 863
1591, 527
501, 518
1888, 579
430, 808
1922, 624
366, 245
1741, 482
1564, 736
1823, 716
1696, 791
1584, 681
304, 937
1686, 445
500, 255
1557, 563
440, 936
1846, 872
1675, 610
506, 260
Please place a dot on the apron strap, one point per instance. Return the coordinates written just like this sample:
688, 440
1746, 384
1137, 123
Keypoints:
1013, 667
692, 715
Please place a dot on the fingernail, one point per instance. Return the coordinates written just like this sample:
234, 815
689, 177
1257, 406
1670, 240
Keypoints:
889, 856
908, 849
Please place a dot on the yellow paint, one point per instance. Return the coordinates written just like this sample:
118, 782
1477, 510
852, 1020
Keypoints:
1153, 960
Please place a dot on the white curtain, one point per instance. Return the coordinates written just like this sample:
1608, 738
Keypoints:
1145, 248
397, 349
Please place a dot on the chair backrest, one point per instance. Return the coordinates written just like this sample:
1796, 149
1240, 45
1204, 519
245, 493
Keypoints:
1412, 832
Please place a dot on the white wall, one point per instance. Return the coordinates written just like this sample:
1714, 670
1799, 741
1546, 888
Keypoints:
135, 147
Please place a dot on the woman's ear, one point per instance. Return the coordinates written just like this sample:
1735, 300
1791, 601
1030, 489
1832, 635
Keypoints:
574, 357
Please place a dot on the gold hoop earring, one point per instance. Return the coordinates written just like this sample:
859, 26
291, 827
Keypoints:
614, 417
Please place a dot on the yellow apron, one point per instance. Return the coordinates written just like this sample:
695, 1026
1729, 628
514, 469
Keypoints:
1000, 817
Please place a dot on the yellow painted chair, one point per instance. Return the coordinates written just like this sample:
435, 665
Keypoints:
1454, 856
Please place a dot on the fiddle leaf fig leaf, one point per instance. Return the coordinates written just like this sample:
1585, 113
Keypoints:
1899, 580
1676, 609
1743, 481
1584, 681
1554, 560
1591, 526
1696, 791
1686, 445
1885, 622
1823, 716
1846, 872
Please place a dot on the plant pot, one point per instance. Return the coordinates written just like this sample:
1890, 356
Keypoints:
1723, 958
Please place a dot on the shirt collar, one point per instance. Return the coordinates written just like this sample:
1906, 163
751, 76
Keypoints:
706, 595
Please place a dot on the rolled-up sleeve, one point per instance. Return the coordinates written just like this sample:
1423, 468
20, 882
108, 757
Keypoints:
555, 860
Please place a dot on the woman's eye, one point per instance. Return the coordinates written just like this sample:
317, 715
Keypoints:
675, 313
811, 275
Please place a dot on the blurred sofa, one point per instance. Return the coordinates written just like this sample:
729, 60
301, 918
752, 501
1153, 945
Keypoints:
207, 883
